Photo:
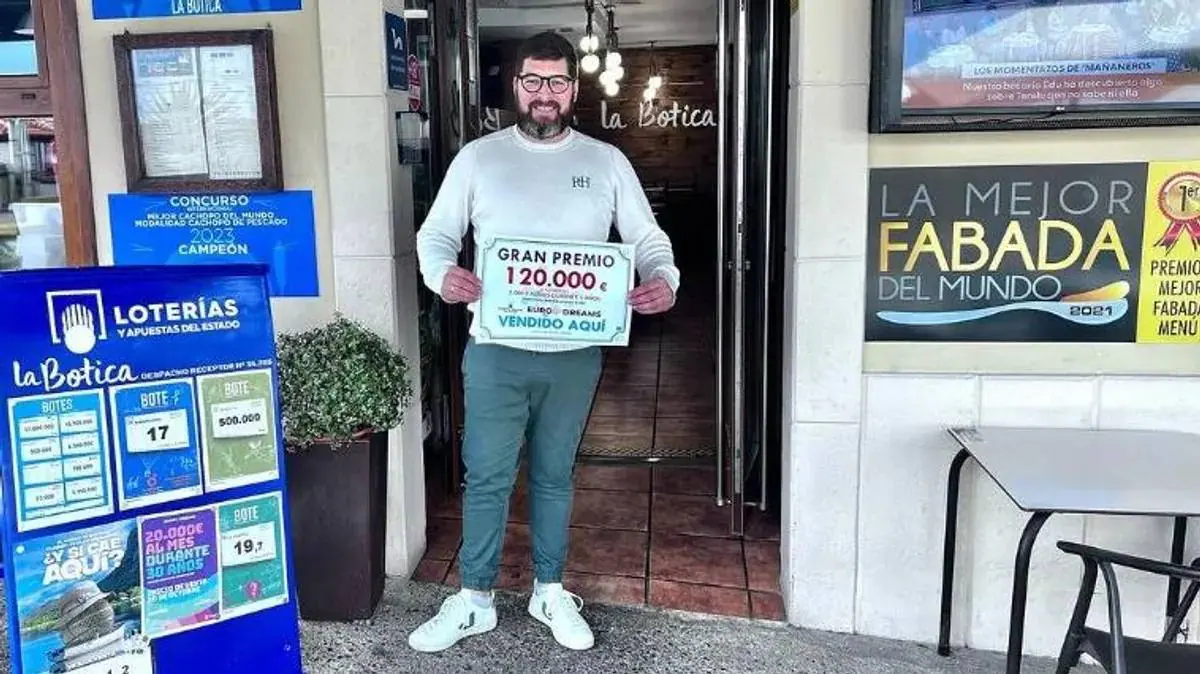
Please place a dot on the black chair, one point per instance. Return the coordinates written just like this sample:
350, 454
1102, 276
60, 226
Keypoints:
1115, 652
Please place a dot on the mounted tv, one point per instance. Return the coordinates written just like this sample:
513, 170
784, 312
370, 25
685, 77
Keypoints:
949, 65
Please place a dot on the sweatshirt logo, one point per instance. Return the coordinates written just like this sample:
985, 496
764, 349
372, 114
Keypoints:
581, 182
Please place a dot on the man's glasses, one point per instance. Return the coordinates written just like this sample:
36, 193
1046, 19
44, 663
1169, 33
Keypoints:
533, 83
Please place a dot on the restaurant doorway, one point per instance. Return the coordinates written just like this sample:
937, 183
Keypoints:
678, 491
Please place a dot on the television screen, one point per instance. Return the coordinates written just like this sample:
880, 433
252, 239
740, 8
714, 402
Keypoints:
1030, 57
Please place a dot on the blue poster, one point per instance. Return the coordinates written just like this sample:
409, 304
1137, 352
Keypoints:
145, 9
277, 229
79, 601
158, 457
103, 431
397, 51
60, 469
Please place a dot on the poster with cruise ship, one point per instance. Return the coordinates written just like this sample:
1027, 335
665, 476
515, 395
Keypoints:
79, 602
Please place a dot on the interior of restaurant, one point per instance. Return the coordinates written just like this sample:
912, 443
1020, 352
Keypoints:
647, 526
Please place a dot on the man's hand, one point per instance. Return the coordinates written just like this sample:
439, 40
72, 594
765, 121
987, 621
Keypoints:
460, 285
653, 297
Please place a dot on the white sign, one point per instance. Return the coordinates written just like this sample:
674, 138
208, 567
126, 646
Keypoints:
660, 115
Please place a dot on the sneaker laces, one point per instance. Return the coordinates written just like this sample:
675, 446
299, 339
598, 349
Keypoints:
454, 605
568, 604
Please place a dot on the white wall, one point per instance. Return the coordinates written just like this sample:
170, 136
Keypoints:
866, 459
301, 124
338, 140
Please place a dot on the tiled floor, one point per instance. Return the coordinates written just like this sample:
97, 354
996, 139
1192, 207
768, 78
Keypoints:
640, 535
657, 397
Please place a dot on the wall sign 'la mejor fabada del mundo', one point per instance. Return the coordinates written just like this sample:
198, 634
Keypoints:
1057, 253
145, 515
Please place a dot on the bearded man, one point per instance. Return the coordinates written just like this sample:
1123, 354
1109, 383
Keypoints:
540, 179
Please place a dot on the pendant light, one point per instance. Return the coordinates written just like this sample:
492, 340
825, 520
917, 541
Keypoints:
590, 42
655, 81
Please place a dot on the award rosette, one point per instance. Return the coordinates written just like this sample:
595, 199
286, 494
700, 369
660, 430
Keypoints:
1179, 202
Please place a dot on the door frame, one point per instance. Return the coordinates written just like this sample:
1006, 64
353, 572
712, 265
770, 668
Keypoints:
751, 259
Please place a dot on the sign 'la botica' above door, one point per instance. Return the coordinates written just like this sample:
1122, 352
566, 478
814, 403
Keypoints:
1060, 253
144, 9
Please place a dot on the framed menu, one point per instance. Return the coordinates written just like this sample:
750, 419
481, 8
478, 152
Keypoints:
199, 111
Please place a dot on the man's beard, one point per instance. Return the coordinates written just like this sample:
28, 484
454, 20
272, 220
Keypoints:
543, 130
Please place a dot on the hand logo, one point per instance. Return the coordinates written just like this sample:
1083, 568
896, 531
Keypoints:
79, 329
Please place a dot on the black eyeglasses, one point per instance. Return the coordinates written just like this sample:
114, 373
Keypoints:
534, 83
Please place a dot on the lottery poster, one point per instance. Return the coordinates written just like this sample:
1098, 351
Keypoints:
60, 463
158, 457
79, 602
180, 572
237, 413
253, 567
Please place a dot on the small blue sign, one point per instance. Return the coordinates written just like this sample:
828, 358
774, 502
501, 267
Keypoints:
277, 229
159, 454
145, 9
396, 41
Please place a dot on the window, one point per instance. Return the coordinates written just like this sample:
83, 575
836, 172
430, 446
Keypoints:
44, 221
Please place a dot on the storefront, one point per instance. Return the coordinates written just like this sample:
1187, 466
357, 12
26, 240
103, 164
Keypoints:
863, 452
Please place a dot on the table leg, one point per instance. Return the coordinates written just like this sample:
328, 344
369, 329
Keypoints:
948, 552
1020, 592
1178, 543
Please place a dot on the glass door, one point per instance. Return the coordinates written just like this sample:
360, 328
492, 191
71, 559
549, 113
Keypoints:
753, 100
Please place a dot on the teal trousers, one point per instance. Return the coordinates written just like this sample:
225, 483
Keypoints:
511, 397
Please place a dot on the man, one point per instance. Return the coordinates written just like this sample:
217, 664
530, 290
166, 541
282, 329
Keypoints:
542, 179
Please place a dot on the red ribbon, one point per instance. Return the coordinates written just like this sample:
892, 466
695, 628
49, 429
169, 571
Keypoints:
1176, 229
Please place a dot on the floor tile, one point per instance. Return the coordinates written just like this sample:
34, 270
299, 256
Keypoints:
595, 509
608, 552
689, 515
629, 373
688, 404
596, 589
685, 433
678, 364
431, 570
625, 401
442, 536
638, 355
762, 565
699, 598
518, 507
518, 546
766, 606
687, 480
439, 503
762, 526
619, 432
612, 478
515, 578
696, 559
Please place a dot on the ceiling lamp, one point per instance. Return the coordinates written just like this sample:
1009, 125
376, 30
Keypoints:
655, 81
590, 63
590, 42
613, 72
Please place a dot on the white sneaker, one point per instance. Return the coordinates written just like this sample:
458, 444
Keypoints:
559, 610
458, 618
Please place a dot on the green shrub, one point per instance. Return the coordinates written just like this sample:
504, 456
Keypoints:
339, 382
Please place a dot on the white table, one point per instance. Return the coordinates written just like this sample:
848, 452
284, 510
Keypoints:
1097, 472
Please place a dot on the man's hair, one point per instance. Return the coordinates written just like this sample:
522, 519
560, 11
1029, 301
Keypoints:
548, 46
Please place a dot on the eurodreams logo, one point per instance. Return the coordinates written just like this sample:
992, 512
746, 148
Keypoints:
79, 319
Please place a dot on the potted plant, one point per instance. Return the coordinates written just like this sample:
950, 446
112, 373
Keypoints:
342, 388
